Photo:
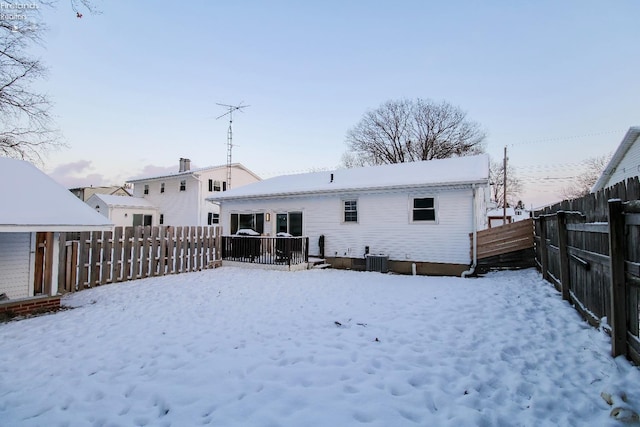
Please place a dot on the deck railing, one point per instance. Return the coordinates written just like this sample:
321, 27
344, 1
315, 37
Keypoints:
265, 250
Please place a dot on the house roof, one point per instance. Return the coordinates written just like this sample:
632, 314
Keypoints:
191, 172
432, 173
32, 201
102, 189
633, 134
122, 201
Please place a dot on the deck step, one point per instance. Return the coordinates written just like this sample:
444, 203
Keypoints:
318, 263
321, 266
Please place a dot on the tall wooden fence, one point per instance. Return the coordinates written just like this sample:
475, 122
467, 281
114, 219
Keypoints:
129, 253
589, 249
506, 246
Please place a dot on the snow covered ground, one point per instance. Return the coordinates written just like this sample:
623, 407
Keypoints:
240, 347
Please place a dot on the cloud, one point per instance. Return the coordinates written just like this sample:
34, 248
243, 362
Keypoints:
78, 174
153, 170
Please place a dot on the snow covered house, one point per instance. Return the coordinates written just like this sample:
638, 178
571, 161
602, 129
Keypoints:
496, 216
125, 210
625, 162
419, 213
180, 196
34, 209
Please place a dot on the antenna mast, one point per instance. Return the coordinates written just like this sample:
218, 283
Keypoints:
231, 109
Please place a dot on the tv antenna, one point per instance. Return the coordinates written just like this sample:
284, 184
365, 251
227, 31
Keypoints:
231, 109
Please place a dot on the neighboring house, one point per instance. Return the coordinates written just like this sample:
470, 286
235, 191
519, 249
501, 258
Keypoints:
34, 209
180, 197
625, 162
84, 193
125, 210
419, 212
495, 217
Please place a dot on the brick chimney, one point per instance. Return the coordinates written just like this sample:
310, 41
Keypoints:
185, 165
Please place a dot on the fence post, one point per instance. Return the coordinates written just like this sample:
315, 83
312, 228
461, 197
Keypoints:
565, 277
83, 273
618, 321
62, 261
96, 247
544, 262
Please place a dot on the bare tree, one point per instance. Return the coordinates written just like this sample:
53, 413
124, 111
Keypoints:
496, 180
413, 130
26, 127
584, 181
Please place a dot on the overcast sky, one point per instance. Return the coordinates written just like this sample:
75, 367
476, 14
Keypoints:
136, 87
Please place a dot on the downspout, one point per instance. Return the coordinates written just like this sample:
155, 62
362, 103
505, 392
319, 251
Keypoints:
472, 269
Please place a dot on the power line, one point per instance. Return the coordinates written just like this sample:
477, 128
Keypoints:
563, 138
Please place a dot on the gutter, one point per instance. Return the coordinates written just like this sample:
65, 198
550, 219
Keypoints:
330, 191
472, 269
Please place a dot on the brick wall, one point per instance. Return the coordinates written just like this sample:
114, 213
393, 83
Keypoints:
27, 306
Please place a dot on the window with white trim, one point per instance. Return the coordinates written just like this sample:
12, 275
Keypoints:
350, 210
146, 189
424, 209
213, 218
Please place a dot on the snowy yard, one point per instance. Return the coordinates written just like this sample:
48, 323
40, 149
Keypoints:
236, 347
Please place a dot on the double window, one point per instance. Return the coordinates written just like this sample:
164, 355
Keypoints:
424, 209
253, 221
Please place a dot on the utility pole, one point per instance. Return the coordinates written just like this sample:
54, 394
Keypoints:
504, 187
229, 113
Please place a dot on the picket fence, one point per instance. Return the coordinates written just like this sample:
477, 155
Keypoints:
89, 259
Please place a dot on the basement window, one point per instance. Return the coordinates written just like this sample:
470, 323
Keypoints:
424, 209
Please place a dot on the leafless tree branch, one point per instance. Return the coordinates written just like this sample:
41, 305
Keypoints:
413, 130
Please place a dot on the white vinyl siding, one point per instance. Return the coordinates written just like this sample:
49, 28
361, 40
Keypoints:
383, 224
15, 264
189, 207
629, 166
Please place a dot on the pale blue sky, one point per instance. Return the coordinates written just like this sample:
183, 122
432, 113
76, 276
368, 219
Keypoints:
136, 87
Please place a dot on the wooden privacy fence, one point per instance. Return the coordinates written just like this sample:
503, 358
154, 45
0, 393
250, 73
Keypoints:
130, 253
590, 250
509, 245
